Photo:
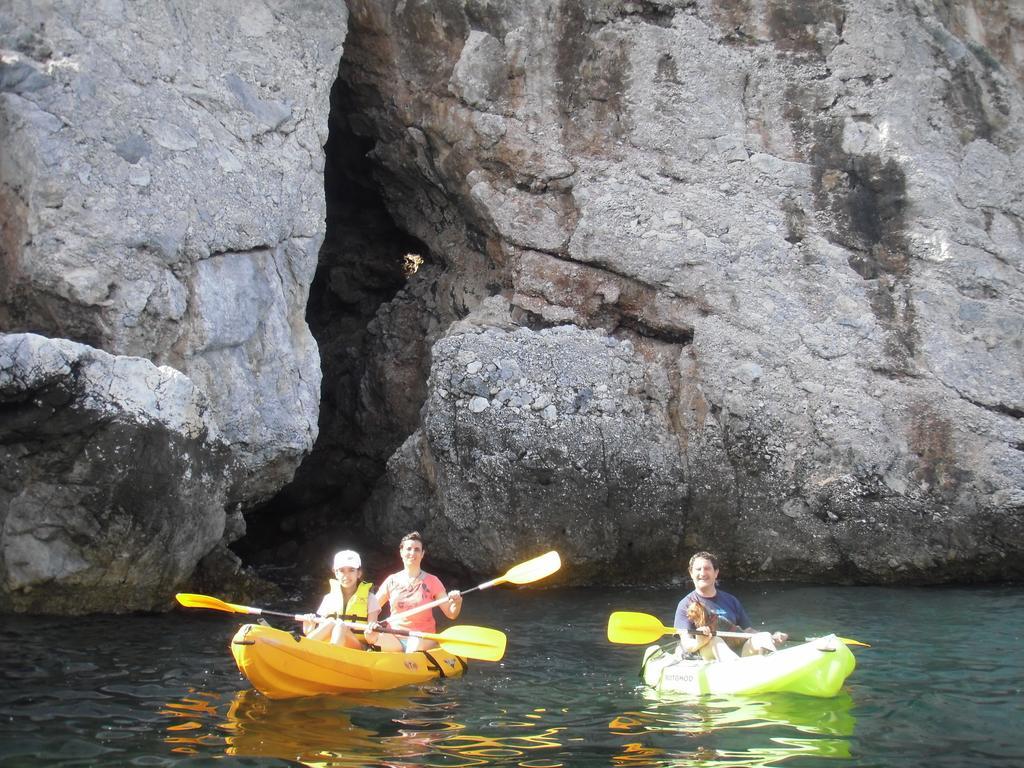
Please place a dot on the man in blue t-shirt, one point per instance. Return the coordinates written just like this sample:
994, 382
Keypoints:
716, 610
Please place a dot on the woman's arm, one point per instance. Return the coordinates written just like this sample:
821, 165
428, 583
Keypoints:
453, 607
311, 622
372, 608
384, 594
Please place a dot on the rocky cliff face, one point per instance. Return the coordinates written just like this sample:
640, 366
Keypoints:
804, 217
735, 274
161, 197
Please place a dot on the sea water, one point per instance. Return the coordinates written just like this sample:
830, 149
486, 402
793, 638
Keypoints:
941, 685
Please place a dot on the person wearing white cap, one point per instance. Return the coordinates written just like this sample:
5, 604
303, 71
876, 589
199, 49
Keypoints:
350, 599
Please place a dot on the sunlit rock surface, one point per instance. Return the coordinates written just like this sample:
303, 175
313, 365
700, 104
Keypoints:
163, 197
808, 219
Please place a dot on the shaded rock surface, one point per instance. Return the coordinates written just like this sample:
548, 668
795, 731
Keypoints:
806, 216
113, 478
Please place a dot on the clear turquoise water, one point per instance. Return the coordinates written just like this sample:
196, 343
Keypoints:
941, 686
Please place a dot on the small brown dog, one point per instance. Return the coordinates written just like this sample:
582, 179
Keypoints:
716, 648
699, 614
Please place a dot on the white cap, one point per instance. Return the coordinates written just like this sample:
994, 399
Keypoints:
347, 559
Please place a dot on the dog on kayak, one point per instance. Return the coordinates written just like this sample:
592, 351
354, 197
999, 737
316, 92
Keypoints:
717, 649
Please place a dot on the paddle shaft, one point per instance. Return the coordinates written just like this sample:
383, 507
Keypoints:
360, 627
747, 635
739, 635
264, 612
248, 609
215, 604
637, 628
463, 640
439, 601
531, 570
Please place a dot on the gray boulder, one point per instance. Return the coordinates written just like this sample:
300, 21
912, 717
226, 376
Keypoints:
525, 436
113, 479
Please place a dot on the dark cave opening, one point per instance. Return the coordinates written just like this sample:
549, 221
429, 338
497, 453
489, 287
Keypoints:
365, 260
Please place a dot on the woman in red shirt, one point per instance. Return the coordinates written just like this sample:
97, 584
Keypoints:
407, 589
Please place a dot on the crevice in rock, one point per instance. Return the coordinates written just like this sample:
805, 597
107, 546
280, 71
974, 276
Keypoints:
1000, 408
659, 14
681, 336
364, 262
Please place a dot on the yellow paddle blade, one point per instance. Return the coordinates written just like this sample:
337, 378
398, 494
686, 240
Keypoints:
635, 628
848, 641
481, 643
533, 570
205, 601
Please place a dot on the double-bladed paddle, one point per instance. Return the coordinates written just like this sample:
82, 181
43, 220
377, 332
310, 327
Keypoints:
638, 628
524, 573
481, 643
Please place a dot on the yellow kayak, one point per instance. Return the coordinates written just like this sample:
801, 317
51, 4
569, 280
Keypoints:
815, 668
281, 666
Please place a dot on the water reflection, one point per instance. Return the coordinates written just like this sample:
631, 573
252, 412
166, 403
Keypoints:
386, 728
808, 714
429, 727
719, 730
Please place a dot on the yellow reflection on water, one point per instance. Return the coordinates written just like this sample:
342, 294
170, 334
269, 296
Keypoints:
328, 731
499, 746
188, 716
719, 730
414, 727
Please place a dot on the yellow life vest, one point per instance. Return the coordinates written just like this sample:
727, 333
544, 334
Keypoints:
357, 608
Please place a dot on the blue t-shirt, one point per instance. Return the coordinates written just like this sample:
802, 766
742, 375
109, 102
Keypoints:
722, 604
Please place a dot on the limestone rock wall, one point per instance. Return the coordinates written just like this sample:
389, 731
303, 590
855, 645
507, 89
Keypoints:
161, 197
162, 193
526, 434
807, 218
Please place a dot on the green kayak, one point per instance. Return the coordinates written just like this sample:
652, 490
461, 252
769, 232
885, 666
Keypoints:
815, 668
